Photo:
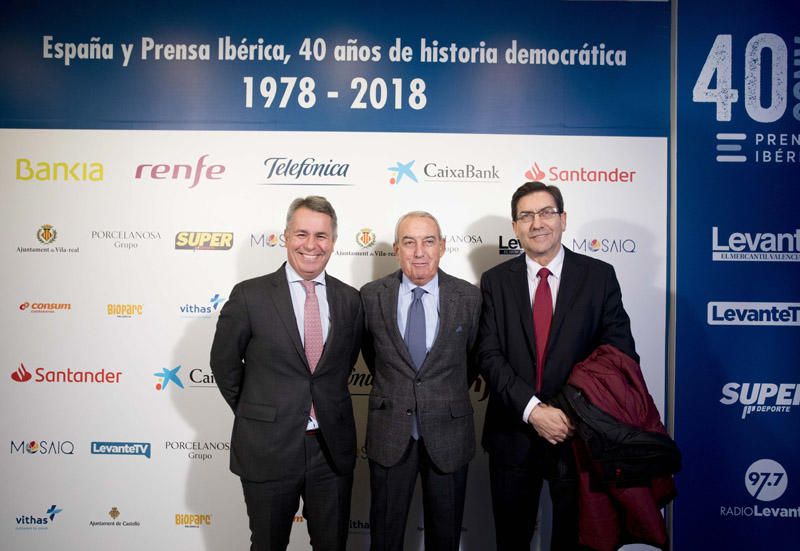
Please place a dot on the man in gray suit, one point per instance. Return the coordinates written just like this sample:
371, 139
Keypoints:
284, 348
421, 327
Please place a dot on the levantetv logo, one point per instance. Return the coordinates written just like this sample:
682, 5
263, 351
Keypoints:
35, 522
756, 247
766, 481
754, 313
121, 448
761, 397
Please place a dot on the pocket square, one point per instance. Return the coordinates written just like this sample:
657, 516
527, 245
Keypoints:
459, 329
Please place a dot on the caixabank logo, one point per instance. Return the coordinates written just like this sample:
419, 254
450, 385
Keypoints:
66, 376
38, 521
766, 481
755, 246
761, 398
580, 174
776, 314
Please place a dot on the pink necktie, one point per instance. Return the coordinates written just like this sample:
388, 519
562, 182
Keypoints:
542, 316
312, 329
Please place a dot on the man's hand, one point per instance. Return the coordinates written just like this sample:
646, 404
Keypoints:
551, 423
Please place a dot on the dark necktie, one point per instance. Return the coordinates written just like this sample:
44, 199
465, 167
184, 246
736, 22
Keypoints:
415, 341
542, 316
312, 329
415, 329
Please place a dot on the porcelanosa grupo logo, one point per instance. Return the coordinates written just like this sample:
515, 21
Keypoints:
579, 174
402, 170
287, 171
755, 246
761, 398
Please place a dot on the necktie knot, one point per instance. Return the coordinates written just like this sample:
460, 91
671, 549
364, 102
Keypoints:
418, 292
308, 286
543, 273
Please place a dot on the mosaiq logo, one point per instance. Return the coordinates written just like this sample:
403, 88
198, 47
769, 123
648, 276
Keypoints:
755, 246
765, 480
307, 171
761, 398
43, 447
267, 239
604, 245
580, 174
191, 174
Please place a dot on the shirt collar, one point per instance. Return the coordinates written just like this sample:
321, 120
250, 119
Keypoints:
292, 276
432, 287
555, 265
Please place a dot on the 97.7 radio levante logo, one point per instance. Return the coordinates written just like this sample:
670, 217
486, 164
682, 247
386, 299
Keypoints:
768, 96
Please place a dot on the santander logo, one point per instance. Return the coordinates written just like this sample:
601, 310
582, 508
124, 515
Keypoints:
21, 375
580, 175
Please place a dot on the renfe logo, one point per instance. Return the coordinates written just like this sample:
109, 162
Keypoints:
181, 172
754, 313
755, 247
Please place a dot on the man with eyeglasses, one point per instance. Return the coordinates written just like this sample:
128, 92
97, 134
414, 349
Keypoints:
543, 312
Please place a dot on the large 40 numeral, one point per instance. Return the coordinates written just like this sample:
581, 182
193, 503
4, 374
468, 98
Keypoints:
719, 63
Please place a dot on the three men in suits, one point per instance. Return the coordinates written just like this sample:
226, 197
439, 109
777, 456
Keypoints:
421, 327
543, 312
282, 354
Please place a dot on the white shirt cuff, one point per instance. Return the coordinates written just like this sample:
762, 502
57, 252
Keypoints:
532, 403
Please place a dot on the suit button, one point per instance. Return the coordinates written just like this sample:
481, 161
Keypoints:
419, 382
409, 412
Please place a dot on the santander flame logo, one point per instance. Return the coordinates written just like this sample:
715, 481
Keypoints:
21, 375
534, 173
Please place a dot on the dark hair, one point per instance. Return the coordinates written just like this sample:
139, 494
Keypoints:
314, 203
532, 187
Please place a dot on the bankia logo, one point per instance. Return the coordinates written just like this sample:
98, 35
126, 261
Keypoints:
38, 522
168, 376
121, 448
766, 481
42, 375
125, 239
761, 398
755, 246
580, 174
402, 170
605, 245
786, 314
29, 170
202, 310
267, 239
191, 174
42, 447
204, 240
44, 307
307, 171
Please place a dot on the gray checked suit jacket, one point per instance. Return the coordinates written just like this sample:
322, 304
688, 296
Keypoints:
439, 392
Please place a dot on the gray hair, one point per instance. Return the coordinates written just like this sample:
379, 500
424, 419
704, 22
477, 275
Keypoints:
315, 203
415, 214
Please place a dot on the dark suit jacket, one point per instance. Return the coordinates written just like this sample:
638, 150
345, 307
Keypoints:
261, 369
439, 392
588, 313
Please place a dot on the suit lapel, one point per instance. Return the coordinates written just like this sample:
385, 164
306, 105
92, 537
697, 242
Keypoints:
282, 299
571, 281
518, 272
388, 304
447, 300
336, 318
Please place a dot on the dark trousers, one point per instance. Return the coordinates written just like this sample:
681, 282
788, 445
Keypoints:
272, 505
392, 489
515, 497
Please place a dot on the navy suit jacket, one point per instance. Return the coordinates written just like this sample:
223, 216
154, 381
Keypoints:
261, 370
588, 313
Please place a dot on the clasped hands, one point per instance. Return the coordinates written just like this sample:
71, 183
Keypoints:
551, 423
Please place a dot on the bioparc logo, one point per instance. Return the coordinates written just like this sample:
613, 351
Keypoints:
287, 171
755, 247
204, 310
38, 522
22, 375
267, 239
579, 174
766, 481
192, 520
121, 448
191, 174
761, 398
124, 310
604, 245
42, 447
44, 307
114, 514
167, 376
204, 240
786, 314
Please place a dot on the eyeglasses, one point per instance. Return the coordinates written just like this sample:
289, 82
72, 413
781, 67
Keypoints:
545, 214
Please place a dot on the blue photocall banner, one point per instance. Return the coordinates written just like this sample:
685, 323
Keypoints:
737, 406
546, 67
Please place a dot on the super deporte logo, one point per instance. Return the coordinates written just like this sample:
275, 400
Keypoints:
761, 397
